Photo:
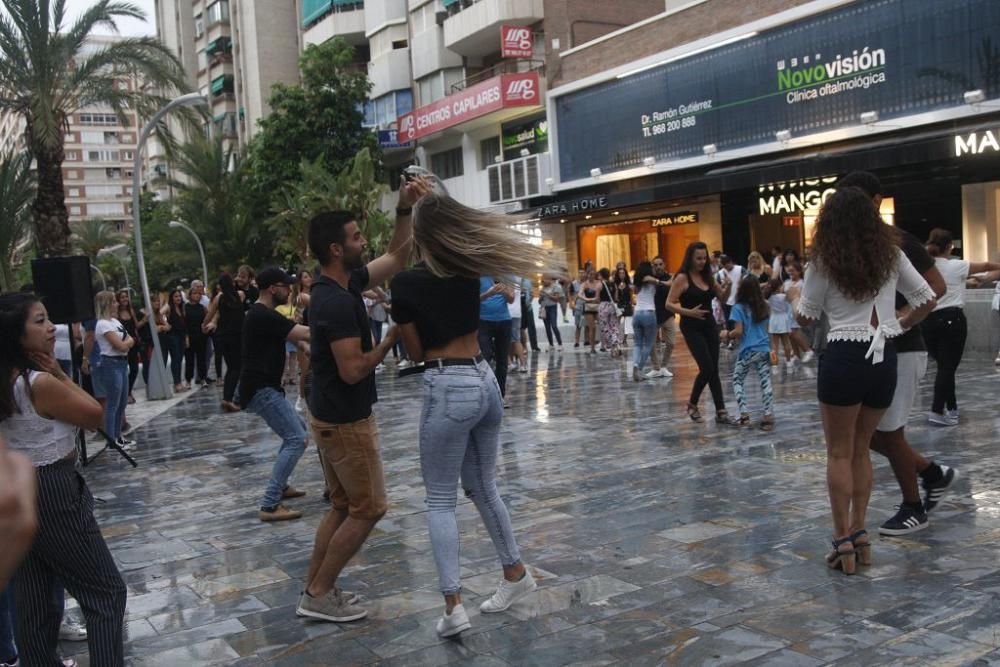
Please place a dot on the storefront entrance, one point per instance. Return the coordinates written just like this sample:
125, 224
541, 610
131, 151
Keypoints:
634, 242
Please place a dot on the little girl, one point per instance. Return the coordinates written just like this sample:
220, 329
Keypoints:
750, 318
780, 322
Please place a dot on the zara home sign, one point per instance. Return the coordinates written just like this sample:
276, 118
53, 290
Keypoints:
573, 206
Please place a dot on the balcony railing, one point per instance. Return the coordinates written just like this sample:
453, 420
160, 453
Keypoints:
517, 179
503, 67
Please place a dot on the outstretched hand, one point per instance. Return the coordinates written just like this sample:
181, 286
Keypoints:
410, 192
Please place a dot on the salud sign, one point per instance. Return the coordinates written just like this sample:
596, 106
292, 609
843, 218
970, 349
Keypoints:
516, 42
500, 92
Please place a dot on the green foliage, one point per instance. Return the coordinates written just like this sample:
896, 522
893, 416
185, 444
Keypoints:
16, 193
170, 255
93, 234
317, 189
318, 121
49, 71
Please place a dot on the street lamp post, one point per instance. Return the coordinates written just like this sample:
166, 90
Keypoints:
158, 387
117, 251
100, 274
177, 224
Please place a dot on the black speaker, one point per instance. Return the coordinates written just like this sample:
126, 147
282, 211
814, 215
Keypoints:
65, 287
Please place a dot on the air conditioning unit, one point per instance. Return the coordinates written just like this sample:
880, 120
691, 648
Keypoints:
518, 179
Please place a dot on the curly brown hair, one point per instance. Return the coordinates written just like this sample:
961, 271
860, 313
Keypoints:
855, 247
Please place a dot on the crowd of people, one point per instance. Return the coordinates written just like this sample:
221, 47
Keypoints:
463, 315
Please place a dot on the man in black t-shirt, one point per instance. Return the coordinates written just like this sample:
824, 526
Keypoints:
265, 333
245, 281
343, 392
664, 323
911, 364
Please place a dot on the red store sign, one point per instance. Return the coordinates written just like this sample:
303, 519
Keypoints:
501, 92
516, 42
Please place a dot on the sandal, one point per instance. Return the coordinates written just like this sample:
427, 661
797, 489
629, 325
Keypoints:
694, 413
767, 423
842, 556
722, 417
744, 420
862, 547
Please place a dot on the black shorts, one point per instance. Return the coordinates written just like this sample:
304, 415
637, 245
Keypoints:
847, 378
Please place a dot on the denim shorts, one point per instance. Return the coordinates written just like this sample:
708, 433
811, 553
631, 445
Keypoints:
847, 378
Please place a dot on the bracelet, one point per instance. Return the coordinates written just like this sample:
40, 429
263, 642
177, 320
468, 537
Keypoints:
404, 211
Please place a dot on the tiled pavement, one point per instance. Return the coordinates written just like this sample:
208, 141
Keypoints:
654, 540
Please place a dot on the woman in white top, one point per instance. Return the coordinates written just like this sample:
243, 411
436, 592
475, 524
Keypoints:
114, 343
66, 337
856, 270
40, 411
945, 329
644, 320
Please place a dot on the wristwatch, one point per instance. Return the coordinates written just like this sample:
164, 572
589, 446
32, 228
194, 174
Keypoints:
404, 211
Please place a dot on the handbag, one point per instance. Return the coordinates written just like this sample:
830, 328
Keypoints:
590, 307
618, 310
541, 312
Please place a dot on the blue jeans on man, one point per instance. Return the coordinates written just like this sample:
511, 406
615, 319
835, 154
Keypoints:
272, 406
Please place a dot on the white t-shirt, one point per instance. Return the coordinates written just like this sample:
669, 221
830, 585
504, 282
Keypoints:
514, 307
955, 272
734, 274
109, 326
63, 351
646, 298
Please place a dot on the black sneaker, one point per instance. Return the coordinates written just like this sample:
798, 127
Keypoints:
907, 520
934, 491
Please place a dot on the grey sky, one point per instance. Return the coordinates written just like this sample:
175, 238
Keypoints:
126, 27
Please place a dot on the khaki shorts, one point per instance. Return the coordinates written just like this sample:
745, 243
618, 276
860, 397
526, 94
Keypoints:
352, 466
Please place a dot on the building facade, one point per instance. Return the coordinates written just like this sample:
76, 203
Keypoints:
728, 122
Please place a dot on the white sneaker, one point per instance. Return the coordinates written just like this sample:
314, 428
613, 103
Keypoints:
790, 364
403, 364
71, 631
942, 420
807, 357
514, 367
664, 373
523, 368
451, 624
300, 405
653, 374
952, 414
508, 593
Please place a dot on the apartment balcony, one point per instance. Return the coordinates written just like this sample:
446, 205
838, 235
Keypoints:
389, 72
473, 27
429, 54
380, 12
322, 20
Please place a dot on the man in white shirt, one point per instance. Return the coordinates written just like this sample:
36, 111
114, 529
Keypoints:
731, 273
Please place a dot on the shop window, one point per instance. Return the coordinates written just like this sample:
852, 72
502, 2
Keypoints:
448, 164
489, 150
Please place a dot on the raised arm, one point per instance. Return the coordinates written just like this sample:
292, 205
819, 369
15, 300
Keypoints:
353, 364
393, 261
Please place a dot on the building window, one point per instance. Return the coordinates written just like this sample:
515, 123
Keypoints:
71, 175
69, 137
489, 151
74, 192
72, 156
113, 173
218, 12
400, 44
222, 85
119, 226
447, 164
103, 156
199, 26
98, 119
128, 155
202, 60
75, 210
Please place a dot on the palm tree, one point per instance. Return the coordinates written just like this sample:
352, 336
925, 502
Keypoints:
49, 71
16, 191
93, 234
210, 199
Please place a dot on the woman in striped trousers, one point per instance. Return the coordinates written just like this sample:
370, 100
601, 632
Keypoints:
40, 412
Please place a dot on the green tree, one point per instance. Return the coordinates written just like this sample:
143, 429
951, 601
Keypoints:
212, 199
316, 189
16, 191
93, 234
49, 72
319, 119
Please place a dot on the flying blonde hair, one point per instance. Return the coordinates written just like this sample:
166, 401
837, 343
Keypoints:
456, 240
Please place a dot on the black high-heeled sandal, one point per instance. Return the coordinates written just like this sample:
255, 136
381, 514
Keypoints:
694, 413
842, 559
863, 550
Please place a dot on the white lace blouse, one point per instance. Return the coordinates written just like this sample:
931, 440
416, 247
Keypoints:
851, 320
43, 440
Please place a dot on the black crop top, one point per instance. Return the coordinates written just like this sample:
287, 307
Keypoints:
693, 297
443, 309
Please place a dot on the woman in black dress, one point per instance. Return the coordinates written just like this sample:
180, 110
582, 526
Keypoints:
228, 307
126, 315
691, 296
175, 337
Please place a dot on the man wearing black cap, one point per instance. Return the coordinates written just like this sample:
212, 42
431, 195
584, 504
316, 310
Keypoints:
264, 335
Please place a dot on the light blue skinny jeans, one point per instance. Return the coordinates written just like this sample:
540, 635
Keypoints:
644, 330
278, 413
113, 376
459, 439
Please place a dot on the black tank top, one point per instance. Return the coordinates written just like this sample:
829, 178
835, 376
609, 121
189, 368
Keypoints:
693, 297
